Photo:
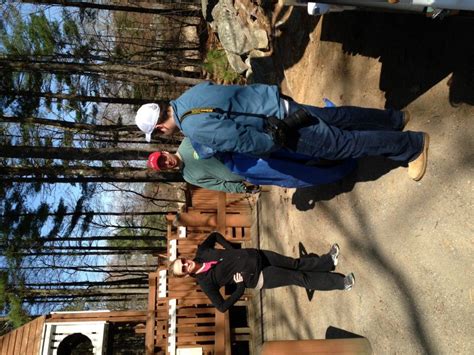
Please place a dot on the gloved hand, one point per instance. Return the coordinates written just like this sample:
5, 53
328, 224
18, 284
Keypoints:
252, 189
299, 119
277, 129
285, 132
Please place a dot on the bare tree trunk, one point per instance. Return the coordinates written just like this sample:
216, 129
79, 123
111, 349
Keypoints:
69, 253
68, 153
137, 281
8, 175
83, 292
94, 68
137, 178
90, 299
90, 128
75, 97
103, 238
189, 9
106, 248
130, 213
105, 269
57, 249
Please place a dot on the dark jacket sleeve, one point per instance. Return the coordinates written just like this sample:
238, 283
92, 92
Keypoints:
214, 238
217, 300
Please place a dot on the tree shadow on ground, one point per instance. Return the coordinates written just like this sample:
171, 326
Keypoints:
289, 41
415, 52
368, 169
285, 314
360, 242
368, 247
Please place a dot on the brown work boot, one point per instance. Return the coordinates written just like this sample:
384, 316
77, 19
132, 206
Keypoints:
417, 167
406, 118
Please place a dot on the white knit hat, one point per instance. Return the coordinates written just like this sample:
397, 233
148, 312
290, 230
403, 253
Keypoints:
178, 267
146, 119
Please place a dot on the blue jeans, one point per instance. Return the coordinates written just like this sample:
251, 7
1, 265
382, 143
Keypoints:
354, 132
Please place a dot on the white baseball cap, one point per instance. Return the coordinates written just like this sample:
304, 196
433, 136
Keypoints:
147, 118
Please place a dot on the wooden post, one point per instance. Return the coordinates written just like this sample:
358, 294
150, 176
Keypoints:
150, 317
222, 342
221, 213
222, 333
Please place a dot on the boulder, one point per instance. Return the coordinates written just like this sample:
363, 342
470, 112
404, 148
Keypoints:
240, 29
233, 34
237, 63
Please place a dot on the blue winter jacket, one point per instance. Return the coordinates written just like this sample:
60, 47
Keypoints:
286, 169
238, 127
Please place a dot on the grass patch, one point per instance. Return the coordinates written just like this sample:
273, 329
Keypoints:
219, 69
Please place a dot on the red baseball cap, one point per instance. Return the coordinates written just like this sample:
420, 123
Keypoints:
153, 161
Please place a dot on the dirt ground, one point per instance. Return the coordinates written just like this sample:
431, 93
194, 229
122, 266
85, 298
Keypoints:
409, 244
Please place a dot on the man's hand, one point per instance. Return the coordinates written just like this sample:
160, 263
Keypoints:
238, 277
277, 129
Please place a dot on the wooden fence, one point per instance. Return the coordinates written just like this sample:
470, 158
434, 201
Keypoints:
24, 340
179, 314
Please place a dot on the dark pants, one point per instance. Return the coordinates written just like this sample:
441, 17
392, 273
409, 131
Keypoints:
354, 132
311, 272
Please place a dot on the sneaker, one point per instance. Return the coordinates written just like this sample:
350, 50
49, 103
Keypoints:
334, 252
417, 168
349, 282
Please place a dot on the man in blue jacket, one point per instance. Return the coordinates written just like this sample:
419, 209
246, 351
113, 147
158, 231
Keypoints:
245, 119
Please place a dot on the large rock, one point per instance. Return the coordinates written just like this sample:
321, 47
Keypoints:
207, 6
259, 38
240, 28
233, 35
236, 63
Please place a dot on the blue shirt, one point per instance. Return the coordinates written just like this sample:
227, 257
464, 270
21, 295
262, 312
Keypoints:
227, 171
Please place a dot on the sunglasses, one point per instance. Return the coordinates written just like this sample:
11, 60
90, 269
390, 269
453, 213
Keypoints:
184, 265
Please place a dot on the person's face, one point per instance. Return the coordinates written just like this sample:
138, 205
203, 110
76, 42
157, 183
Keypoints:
167, 126
186, 266
168, 161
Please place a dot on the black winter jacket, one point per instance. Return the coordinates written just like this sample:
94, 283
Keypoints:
230, 261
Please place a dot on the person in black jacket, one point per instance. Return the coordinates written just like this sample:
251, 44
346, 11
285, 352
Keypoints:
254, 268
